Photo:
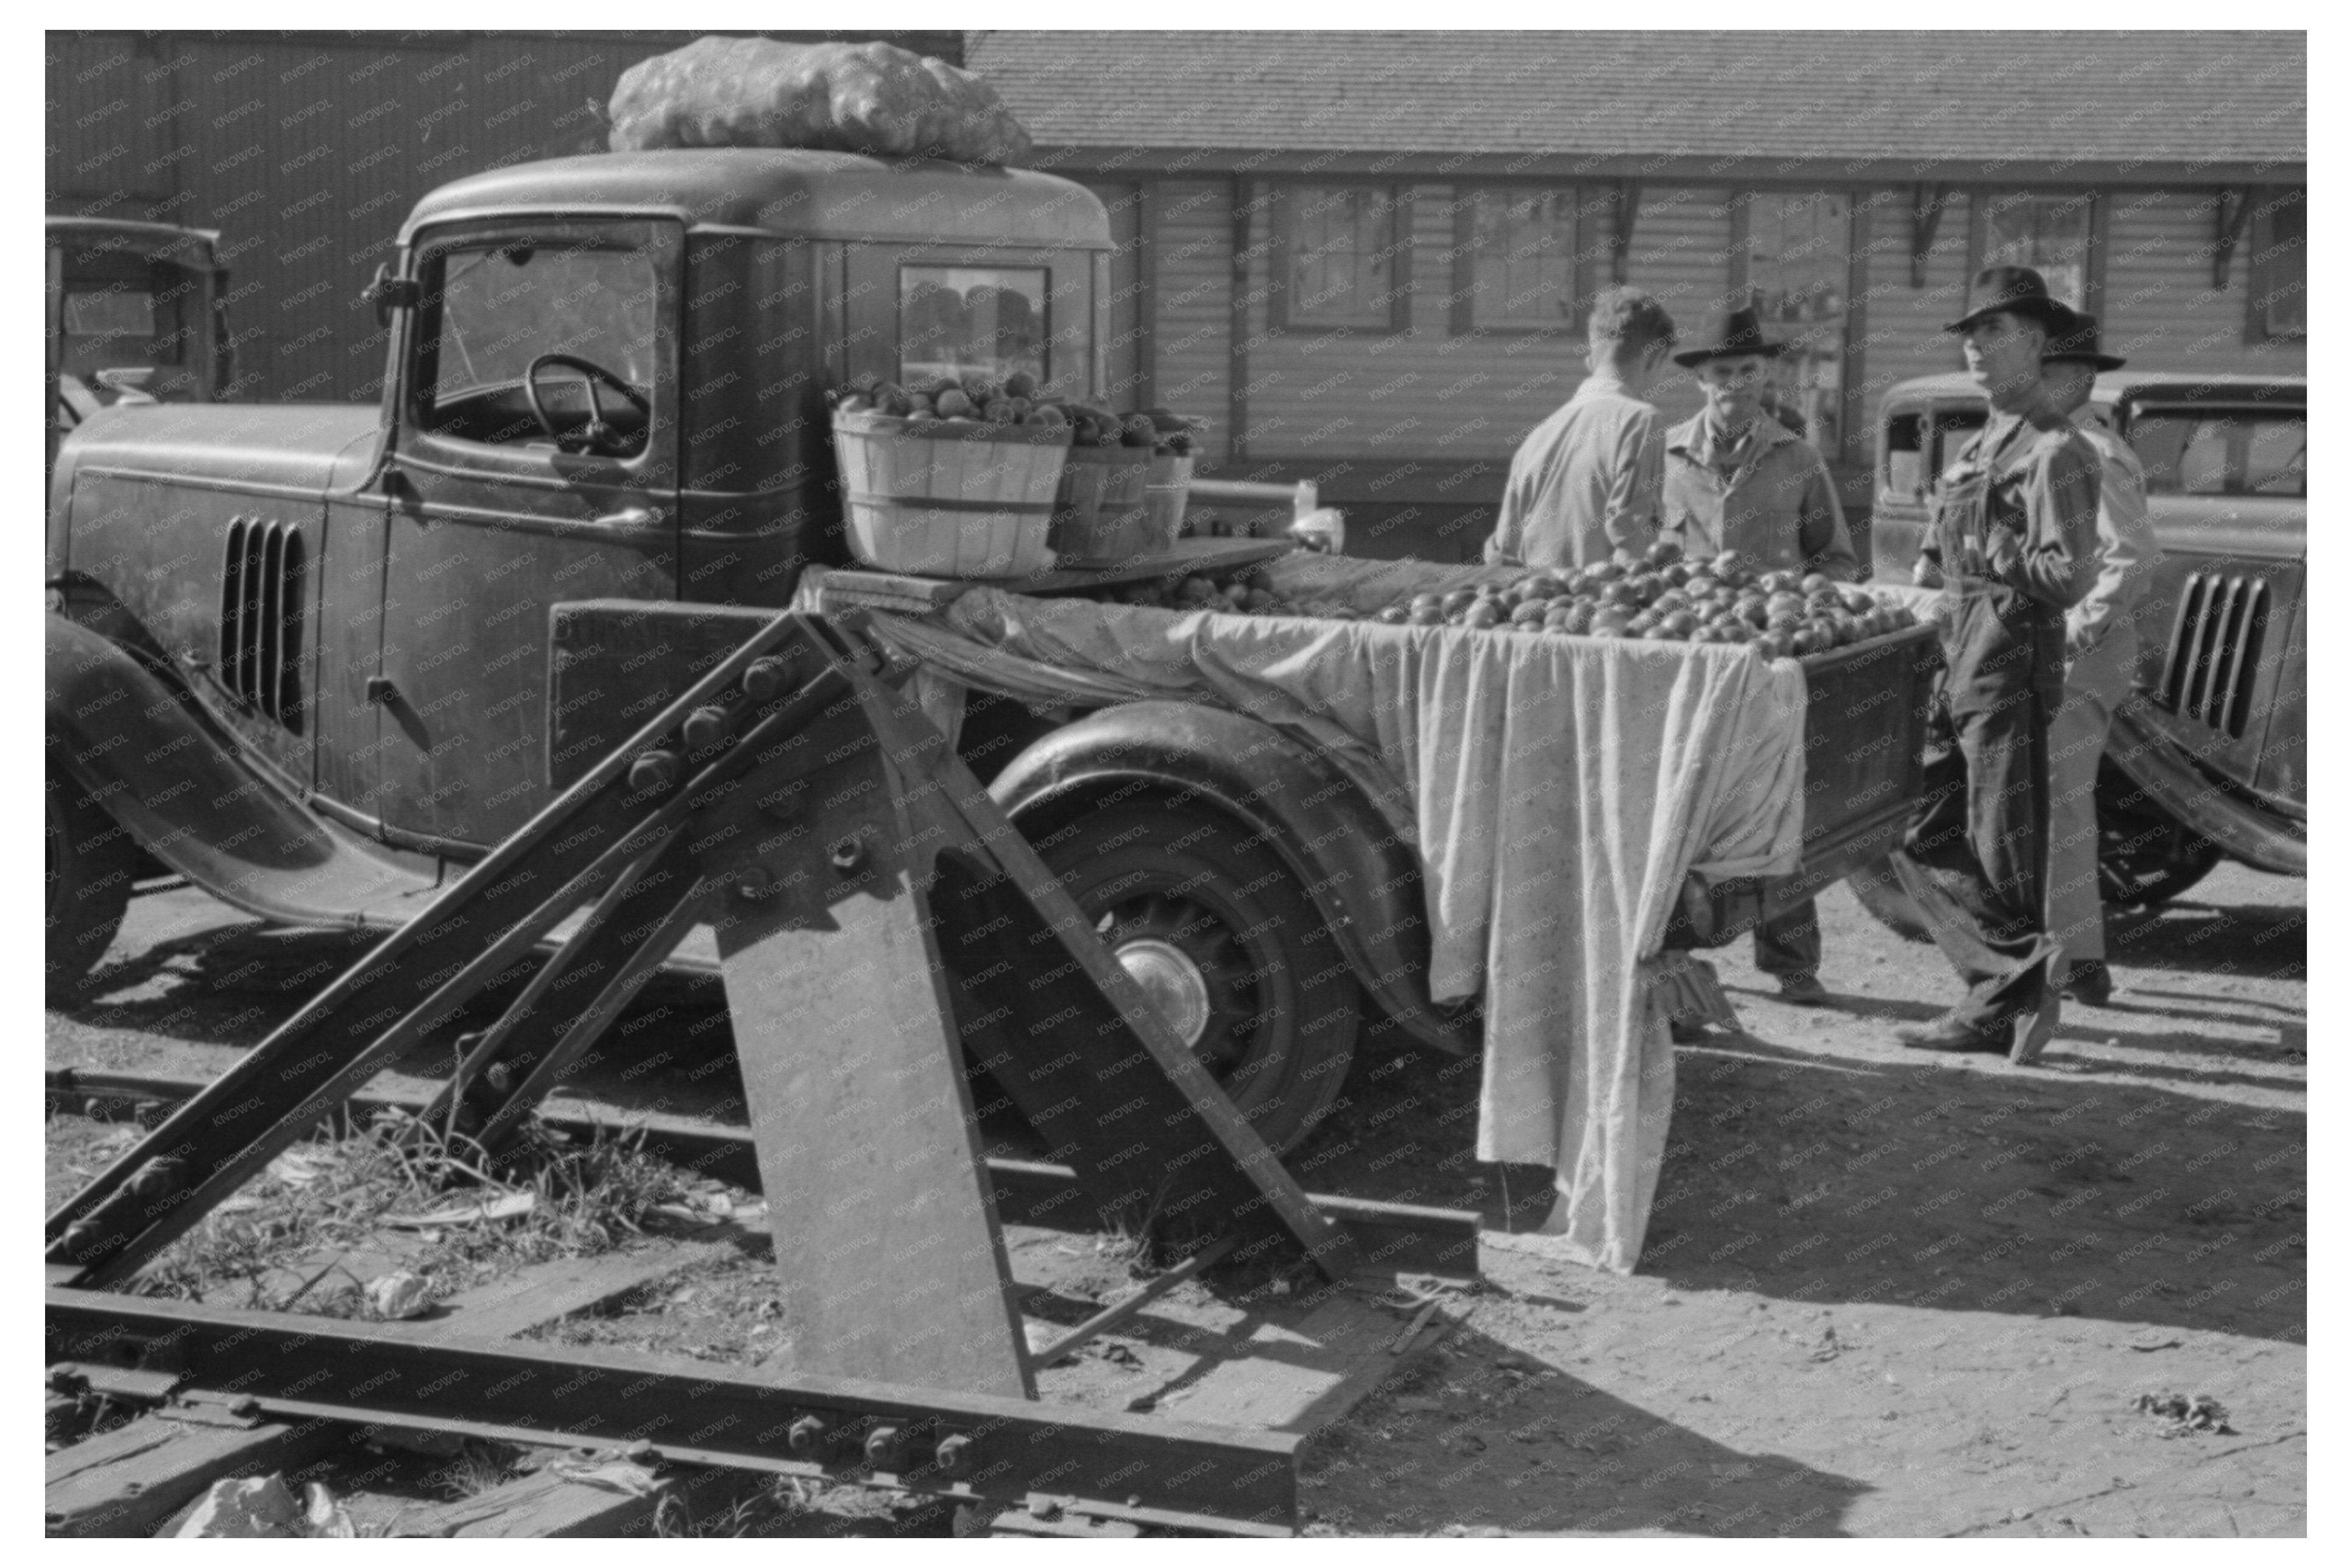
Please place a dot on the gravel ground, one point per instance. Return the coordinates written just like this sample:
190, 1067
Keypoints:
1883, 1294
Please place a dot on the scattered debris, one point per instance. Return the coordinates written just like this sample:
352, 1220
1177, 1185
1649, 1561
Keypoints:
2152, 1340
400, 1294
507, 1205
260, 1508
2182, 1417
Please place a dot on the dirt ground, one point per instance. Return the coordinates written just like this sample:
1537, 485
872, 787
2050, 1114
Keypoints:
1882, 1294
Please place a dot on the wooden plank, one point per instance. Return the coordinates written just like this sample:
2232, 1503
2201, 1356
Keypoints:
130, 1480
552, 1502
1297, 1378
542, 1293
1189, 555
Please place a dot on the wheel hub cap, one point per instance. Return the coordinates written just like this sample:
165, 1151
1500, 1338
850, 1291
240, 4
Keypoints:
1173, 983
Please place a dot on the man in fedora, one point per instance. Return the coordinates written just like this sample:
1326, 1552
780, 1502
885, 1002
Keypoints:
2101, 652
2014, 546
1585, 481
1736, 479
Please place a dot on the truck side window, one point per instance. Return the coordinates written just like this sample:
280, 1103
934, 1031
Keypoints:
2203, 453
956, 323
493, 312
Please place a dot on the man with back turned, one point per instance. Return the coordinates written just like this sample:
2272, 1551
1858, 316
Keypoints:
1585, 482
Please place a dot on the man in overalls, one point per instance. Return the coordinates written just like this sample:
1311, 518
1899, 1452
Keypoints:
1738, 480
2014, 545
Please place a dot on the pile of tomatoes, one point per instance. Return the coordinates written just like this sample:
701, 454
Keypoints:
1660, 597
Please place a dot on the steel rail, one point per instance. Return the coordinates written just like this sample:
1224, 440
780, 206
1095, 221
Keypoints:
922, 1440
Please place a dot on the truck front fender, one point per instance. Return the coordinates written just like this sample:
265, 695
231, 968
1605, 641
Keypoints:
1364, 878
2169, 773
138, 745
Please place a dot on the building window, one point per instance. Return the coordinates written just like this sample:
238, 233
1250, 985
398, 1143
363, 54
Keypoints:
1797, 254
2051, 234
2276, 280
1513, 262
1342, 259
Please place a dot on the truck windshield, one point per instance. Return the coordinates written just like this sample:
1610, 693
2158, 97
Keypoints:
960, 322
504, 307
2220, 451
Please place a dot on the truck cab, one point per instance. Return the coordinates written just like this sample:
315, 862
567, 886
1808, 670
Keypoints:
133, 311
2206, 759
302, 653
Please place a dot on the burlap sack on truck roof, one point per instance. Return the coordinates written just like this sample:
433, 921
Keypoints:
874, 99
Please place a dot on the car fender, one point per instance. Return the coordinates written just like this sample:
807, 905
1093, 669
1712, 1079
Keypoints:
2169, 772
136, 741
1362, 872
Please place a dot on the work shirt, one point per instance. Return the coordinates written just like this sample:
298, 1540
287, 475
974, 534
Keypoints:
1583, 483
2129, 554
2041, 480
1767, 495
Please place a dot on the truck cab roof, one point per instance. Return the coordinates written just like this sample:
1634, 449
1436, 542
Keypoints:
789, 193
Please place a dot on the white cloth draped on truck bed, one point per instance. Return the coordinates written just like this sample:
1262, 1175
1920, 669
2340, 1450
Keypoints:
1558, 790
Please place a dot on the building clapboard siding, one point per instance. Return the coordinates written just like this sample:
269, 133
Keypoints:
1932, 143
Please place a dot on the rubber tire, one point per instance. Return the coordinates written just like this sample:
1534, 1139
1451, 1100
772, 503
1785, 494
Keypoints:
90, 861
1291, 1008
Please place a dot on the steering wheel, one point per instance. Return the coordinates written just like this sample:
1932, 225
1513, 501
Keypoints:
594, 435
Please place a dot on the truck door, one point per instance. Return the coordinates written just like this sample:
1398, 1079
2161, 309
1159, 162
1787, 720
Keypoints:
535, 460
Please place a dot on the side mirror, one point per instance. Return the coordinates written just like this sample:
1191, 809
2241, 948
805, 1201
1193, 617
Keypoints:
387, 293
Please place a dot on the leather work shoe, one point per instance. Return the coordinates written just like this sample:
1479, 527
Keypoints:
2090, 983
1804, 990
1949, 1034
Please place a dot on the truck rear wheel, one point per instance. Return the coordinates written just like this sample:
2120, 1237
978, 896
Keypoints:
88, 861
1229, 948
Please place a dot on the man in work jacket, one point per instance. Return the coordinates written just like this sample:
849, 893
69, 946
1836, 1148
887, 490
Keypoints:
2014, 545
2101, 652
1735, 480
1585, 481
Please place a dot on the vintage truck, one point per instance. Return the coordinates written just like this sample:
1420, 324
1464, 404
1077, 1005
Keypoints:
2206, 761
301, 653
135, 310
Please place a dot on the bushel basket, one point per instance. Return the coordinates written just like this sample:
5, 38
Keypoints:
949, 500
1100, 518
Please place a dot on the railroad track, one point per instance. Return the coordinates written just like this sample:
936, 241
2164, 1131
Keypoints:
221, 1391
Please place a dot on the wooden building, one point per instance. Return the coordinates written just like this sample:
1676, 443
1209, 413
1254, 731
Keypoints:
1365, 257
307, 151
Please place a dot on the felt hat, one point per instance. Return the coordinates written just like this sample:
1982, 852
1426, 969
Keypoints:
2077, 341
2016, 291
1730, 334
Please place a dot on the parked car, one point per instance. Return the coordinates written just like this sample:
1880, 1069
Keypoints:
2206, 759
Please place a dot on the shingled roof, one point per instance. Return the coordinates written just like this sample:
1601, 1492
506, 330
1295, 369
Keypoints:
2223, 102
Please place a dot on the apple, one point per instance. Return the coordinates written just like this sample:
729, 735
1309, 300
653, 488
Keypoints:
1725, 563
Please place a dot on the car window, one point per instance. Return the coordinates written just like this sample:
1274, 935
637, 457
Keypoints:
2208, 452
503, 307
